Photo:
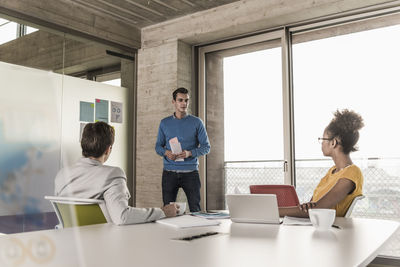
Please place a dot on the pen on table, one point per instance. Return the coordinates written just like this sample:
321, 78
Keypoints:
198, 236
336, 226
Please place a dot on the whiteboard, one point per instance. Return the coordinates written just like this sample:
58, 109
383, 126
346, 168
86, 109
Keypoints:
39, 132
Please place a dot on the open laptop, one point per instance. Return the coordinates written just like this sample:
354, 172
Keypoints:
253, 208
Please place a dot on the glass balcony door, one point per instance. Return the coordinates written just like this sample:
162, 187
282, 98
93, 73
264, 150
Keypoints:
243, 109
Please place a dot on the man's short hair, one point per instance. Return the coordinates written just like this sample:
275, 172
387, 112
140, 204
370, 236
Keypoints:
96, 138
180, 90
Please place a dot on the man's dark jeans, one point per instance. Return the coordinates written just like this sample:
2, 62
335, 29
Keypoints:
188, 181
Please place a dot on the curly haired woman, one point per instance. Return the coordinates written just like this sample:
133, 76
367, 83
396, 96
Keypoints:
343, 182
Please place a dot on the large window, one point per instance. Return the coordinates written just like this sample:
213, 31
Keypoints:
244, 115
253, 106
253, 119
358, 71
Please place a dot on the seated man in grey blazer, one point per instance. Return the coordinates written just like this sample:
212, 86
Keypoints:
89, 178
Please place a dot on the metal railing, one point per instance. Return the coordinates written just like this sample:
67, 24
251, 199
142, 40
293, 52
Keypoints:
381, 185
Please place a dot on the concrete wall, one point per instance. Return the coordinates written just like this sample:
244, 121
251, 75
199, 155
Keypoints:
215, 129
128, 79
161, 70
161, 67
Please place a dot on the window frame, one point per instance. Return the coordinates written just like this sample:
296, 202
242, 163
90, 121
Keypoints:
276, 34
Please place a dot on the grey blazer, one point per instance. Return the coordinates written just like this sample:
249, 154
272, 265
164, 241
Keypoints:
89, 178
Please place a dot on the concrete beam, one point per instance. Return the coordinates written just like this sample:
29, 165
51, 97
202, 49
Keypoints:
44, 51
244, 17
74, 19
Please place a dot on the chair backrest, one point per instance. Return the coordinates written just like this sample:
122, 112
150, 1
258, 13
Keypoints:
285, 194
352, 205
78, 211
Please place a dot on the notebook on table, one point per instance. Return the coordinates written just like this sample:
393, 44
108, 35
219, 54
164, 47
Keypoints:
187, 221
253, 208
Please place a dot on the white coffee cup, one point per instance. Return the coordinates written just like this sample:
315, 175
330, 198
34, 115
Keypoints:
322, 219
182, 207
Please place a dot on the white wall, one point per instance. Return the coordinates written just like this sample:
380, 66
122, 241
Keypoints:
76, 90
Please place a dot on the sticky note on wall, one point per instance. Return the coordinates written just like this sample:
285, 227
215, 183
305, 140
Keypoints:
86, 111
101, 110
116, 112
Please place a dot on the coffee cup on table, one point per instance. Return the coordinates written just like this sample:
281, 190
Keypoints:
322, 219
182, 207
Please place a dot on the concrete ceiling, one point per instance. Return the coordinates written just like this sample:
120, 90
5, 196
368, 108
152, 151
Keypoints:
142, 13
107, 19
116, 23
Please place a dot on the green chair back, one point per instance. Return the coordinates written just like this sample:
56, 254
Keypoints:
80, 214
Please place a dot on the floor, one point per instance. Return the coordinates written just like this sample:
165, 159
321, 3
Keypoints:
27, 222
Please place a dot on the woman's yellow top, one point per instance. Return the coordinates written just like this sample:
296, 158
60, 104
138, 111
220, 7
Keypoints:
352, 173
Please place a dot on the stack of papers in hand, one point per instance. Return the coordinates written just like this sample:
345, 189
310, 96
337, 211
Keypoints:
211, 215
187, 221
287, 220
176, 147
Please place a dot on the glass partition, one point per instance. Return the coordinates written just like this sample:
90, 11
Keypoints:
44, 104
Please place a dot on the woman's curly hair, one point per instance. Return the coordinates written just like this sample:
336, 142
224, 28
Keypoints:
344, 127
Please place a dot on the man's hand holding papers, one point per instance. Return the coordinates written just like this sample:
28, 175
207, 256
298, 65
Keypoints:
176, 149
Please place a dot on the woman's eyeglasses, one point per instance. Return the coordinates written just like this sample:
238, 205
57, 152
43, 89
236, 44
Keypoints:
321, 139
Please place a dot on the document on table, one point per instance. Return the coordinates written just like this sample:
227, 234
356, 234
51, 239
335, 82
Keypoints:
187, 221
211, 215
176, 147
287, 220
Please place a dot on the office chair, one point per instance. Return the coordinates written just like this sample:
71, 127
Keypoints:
285, 194
352, 205
79, 211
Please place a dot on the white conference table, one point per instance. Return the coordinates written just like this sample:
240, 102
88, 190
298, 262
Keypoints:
357, 243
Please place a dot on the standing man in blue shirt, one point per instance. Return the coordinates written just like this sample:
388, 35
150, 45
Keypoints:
181, 170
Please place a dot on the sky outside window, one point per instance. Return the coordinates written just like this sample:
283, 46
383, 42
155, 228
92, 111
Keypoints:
253, 106
358, 71
8, 31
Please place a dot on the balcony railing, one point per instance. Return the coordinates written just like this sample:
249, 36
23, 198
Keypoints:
381, 184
